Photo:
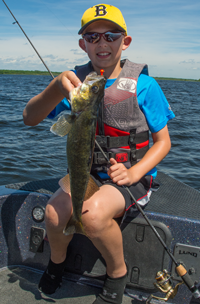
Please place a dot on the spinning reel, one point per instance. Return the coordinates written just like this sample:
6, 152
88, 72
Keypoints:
164, 284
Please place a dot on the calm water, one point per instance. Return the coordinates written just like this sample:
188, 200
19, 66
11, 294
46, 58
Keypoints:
29, 153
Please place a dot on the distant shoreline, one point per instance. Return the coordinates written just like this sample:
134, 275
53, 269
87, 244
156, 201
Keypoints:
22, 72
45, 73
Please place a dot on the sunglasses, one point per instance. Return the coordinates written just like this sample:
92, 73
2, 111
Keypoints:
109, 36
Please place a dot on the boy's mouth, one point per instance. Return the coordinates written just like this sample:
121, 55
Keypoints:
103, 55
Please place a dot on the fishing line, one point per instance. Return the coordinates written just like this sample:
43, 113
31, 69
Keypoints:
180, 269
29, 40
61, 22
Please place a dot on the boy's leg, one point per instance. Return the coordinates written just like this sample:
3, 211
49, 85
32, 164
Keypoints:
98, 219
57, 214
104, 232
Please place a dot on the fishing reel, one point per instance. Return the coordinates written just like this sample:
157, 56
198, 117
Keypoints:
164, 284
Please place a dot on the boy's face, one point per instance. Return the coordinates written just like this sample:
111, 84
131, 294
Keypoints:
103, 54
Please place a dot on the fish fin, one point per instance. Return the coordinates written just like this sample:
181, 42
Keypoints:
63, 125
92, 187
74, 226
64, 183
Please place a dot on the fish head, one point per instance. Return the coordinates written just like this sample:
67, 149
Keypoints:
89, 93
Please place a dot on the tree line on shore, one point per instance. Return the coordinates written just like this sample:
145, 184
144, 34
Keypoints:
44, 73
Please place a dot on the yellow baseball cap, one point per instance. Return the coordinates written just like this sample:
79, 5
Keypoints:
103, 12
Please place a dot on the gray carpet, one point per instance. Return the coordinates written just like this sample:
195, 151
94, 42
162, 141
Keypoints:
19, 286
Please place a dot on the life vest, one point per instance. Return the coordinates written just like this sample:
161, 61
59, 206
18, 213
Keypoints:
122, 130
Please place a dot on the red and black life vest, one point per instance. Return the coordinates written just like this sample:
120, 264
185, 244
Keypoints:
122, 129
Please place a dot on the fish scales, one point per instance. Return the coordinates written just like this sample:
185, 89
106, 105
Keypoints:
80, 127
80, 144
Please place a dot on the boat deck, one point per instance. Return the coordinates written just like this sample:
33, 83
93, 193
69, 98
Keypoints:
175, 204
21, 284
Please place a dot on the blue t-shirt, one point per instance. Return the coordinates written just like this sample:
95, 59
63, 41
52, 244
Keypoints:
151, 100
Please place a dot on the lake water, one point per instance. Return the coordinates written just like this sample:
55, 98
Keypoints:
30, 153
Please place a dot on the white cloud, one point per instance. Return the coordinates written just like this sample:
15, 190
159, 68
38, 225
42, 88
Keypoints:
189, 61
165, 35
78, 52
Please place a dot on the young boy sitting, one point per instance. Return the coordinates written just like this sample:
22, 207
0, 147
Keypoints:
133, 105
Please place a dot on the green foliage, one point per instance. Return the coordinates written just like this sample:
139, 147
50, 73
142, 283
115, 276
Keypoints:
36, 72
174, 79
22, 72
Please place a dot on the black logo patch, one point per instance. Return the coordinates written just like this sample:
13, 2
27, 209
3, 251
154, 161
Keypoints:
100, 10
194, 254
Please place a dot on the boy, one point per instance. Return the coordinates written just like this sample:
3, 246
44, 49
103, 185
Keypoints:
126, 116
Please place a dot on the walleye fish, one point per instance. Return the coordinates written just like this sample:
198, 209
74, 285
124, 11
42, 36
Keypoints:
80, 126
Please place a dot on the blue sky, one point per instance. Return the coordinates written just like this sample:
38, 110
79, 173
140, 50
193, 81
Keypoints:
166, 35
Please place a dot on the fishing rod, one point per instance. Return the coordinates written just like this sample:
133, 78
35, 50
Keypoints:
182, 272
180, 268
29, 40
141, 210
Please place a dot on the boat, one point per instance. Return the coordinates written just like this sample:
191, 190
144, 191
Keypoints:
173, 210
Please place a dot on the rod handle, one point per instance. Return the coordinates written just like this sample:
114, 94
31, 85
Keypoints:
181, 270
187, 280
185, 276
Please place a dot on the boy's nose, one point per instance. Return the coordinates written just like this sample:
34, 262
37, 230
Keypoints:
102, 40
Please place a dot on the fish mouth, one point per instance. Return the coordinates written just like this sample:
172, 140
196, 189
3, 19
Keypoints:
84, 88
85, 94
81, 90
74, 92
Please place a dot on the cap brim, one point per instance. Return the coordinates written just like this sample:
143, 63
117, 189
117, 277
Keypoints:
86, 25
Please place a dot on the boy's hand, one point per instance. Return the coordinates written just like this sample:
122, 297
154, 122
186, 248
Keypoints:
119, 173
67, 81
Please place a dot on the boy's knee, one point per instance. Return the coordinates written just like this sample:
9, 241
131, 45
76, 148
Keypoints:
57, 213
52, 217
95, 221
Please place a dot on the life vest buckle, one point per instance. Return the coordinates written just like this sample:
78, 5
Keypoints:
102, 140
99, 159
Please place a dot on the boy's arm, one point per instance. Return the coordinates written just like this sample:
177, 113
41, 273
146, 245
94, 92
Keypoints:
123, 176
42, 104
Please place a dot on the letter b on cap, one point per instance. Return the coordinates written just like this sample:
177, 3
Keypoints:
100, 10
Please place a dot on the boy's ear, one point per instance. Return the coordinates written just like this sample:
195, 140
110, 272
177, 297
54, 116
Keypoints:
82, 44
127, 42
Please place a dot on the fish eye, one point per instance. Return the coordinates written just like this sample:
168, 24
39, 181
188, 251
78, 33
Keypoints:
95, 89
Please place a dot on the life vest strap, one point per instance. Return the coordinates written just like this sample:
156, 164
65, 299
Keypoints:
122, 141
120, 157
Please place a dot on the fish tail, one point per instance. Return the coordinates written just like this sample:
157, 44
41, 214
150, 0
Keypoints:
74, 226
